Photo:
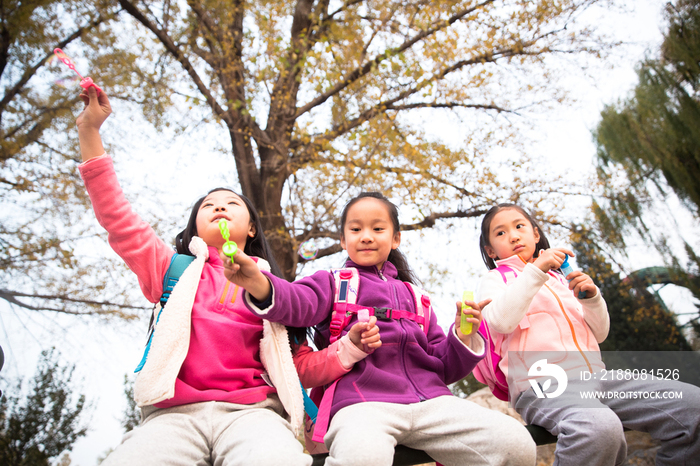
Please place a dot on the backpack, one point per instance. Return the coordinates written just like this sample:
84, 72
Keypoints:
487, 370
178, 264
347, 283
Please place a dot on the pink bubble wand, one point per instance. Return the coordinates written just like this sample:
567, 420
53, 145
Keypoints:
85, 82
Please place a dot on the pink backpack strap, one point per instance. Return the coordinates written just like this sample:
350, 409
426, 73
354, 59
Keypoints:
347, 282
487, 370
324, 413
423, 306
507, 273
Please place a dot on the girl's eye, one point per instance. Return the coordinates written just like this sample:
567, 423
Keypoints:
500, 233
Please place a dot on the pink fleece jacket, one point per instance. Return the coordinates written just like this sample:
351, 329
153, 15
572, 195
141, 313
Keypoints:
536, 314
223, 359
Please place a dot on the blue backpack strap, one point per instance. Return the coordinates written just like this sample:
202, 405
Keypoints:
178, 264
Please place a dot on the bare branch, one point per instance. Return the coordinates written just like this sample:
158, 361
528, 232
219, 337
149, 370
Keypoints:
358, 73
31, 71
11, 297
430, 220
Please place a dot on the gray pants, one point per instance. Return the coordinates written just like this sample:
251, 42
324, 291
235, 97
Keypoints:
591, 432
211, 433
453, 431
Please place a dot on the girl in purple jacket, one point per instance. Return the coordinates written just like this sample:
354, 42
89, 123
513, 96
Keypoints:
398, 394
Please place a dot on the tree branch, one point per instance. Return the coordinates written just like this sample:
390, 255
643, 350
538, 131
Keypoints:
362, 71
174, 50
429, 221
31, 71
11, 297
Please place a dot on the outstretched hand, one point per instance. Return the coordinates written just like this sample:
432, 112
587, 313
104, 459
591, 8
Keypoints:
245, 273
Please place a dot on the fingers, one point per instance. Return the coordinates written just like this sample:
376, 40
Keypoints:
582, 283
472, 305
370, 337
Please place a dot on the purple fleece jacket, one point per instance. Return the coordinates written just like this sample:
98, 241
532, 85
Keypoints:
409, 367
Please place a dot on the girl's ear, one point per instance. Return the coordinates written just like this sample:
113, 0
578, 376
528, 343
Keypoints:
342, 242
396, 241
536, 233
251, 230
490, 252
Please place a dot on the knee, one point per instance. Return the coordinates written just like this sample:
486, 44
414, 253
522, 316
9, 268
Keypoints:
602, 427
360, 456
521, 448
277, 457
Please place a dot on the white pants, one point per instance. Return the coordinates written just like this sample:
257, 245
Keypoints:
453, 431
211, 433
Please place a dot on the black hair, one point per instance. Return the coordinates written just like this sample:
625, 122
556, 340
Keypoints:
255, 246
396, 257
543, 243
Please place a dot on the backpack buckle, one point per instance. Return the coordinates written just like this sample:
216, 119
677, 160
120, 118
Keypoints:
382, 313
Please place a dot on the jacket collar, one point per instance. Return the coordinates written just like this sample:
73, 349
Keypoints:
515, 262
387, 270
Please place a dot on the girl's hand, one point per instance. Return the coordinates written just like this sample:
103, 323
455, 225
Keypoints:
96, 111
476, 319
365, 335
579, 281
245, 273
551, 258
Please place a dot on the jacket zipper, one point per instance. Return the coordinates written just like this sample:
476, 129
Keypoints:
571, 326
402, 346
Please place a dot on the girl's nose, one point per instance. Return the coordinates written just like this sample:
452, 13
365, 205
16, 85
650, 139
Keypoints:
220, 209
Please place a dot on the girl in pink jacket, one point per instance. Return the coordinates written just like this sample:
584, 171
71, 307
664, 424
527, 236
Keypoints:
546, 329
218, 384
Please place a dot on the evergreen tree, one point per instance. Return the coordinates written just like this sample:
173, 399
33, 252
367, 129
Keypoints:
638, 321
47, 422
654, 137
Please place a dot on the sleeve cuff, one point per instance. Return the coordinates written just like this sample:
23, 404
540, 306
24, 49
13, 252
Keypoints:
348, 353
261, 308
479, 343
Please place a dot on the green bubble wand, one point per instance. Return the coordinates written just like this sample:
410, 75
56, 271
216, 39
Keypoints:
229, 247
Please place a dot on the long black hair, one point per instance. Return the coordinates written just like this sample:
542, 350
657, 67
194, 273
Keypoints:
396, 257
543, 243
255, 246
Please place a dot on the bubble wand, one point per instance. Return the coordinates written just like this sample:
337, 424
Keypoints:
85, 82
464, 326
229, 247
566, 269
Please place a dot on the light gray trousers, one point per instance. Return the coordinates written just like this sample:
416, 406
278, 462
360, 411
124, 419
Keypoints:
591, 432
211, 433
453, 431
